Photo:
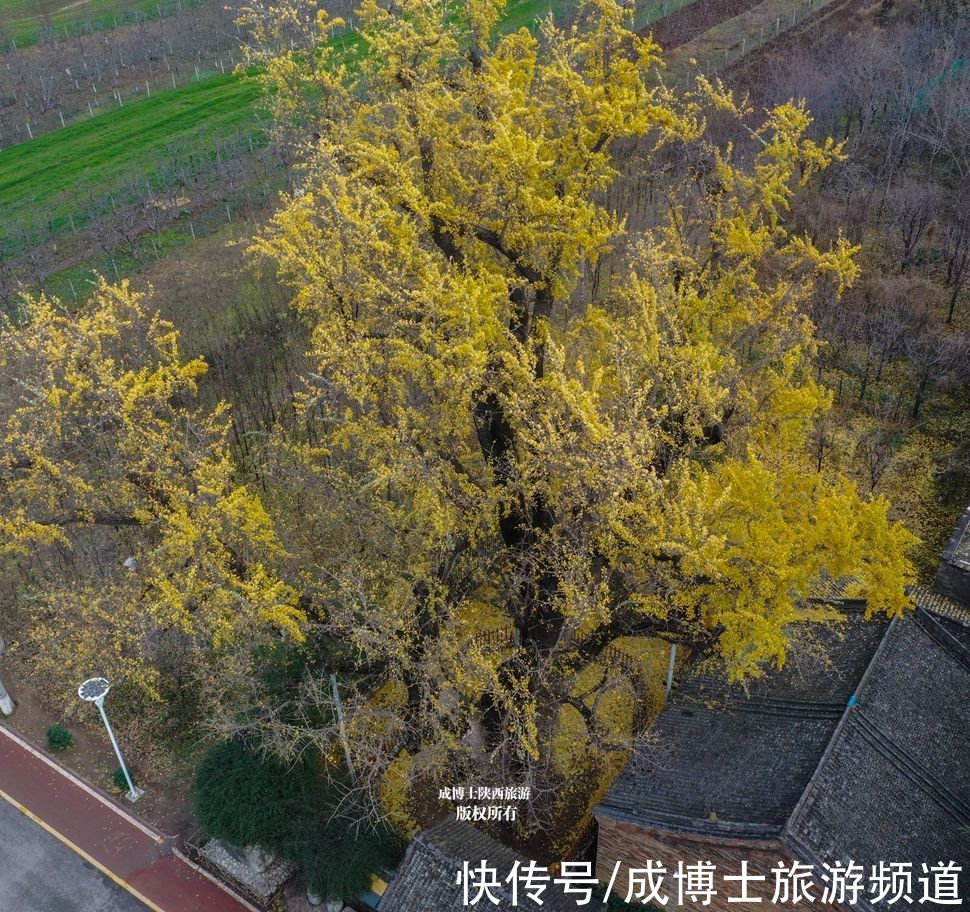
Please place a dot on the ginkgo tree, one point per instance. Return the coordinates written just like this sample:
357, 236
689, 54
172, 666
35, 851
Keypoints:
119, 499
495, 473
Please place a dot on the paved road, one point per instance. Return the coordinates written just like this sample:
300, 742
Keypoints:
112, 848
38, 873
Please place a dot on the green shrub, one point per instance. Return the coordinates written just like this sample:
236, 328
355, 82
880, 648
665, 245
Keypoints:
248, 798
59, 738
118, 778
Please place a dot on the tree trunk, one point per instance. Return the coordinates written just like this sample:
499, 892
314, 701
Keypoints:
954, 295
920, 389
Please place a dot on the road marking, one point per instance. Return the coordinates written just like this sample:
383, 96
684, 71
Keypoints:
78, 850
121, 812
80, 783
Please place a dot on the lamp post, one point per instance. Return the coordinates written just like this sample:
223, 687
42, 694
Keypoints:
6, 704
94, 690
670, 672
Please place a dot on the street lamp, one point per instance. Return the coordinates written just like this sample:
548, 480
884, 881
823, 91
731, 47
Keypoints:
94, 690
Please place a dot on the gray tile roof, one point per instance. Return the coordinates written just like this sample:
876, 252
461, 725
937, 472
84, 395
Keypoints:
881, 777
718, 772
722, 760
895, 783
426, 879
874, 815
953, 573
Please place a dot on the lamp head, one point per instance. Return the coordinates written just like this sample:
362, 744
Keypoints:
94, 690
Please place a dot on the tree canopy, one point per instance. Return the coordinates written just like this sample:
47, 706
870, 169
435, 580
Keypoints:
498, 466
486, 441
121, 498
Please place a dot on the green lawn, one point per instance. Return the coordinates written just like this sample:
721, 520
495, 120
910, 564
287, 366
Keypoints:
42, 177
24, 21
44, 180
528, 12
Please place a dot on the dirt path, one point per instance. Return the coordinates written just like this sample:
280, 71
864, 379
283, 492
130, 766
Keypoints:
730, 41
70, 6
685, 24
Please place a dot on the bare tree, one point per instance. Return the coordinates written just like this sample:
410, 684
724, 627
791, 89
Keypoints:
914, 204
876, 449
936, 358
956, 249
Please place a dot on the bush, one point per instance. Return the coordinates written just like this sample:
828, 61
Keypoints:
59, 738
248, 798
118, 778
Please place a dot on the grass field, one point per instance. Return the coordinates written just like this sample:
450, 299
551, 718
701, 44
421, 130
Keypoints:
519, 13
97, 150
45, 174
42, 177
24, 22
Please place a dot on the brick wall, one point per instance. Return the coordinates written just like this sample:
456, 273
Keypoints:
632, 846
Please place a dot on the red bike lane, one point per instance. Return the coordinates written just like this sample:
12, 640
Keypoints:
132, 854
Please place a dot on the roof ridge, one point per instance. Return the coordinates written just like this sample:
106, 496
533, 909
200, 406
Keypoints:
699, 826
807, 796
950, 552
940, 605
942, 637
803, 852
783, 706
911, 768
795, 711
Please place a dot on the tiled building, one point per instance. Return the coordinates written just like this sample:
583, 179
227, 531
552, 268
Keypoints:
953, 575
426, 879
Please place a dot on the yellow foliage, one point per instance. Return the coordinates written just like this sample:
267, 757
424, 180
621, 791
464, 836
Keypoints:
569, 746
394, 795
96, 434
480, 432
614, 713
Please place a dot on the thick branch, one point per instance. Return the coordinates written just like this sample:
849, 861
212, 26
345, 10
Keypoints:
97, 518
